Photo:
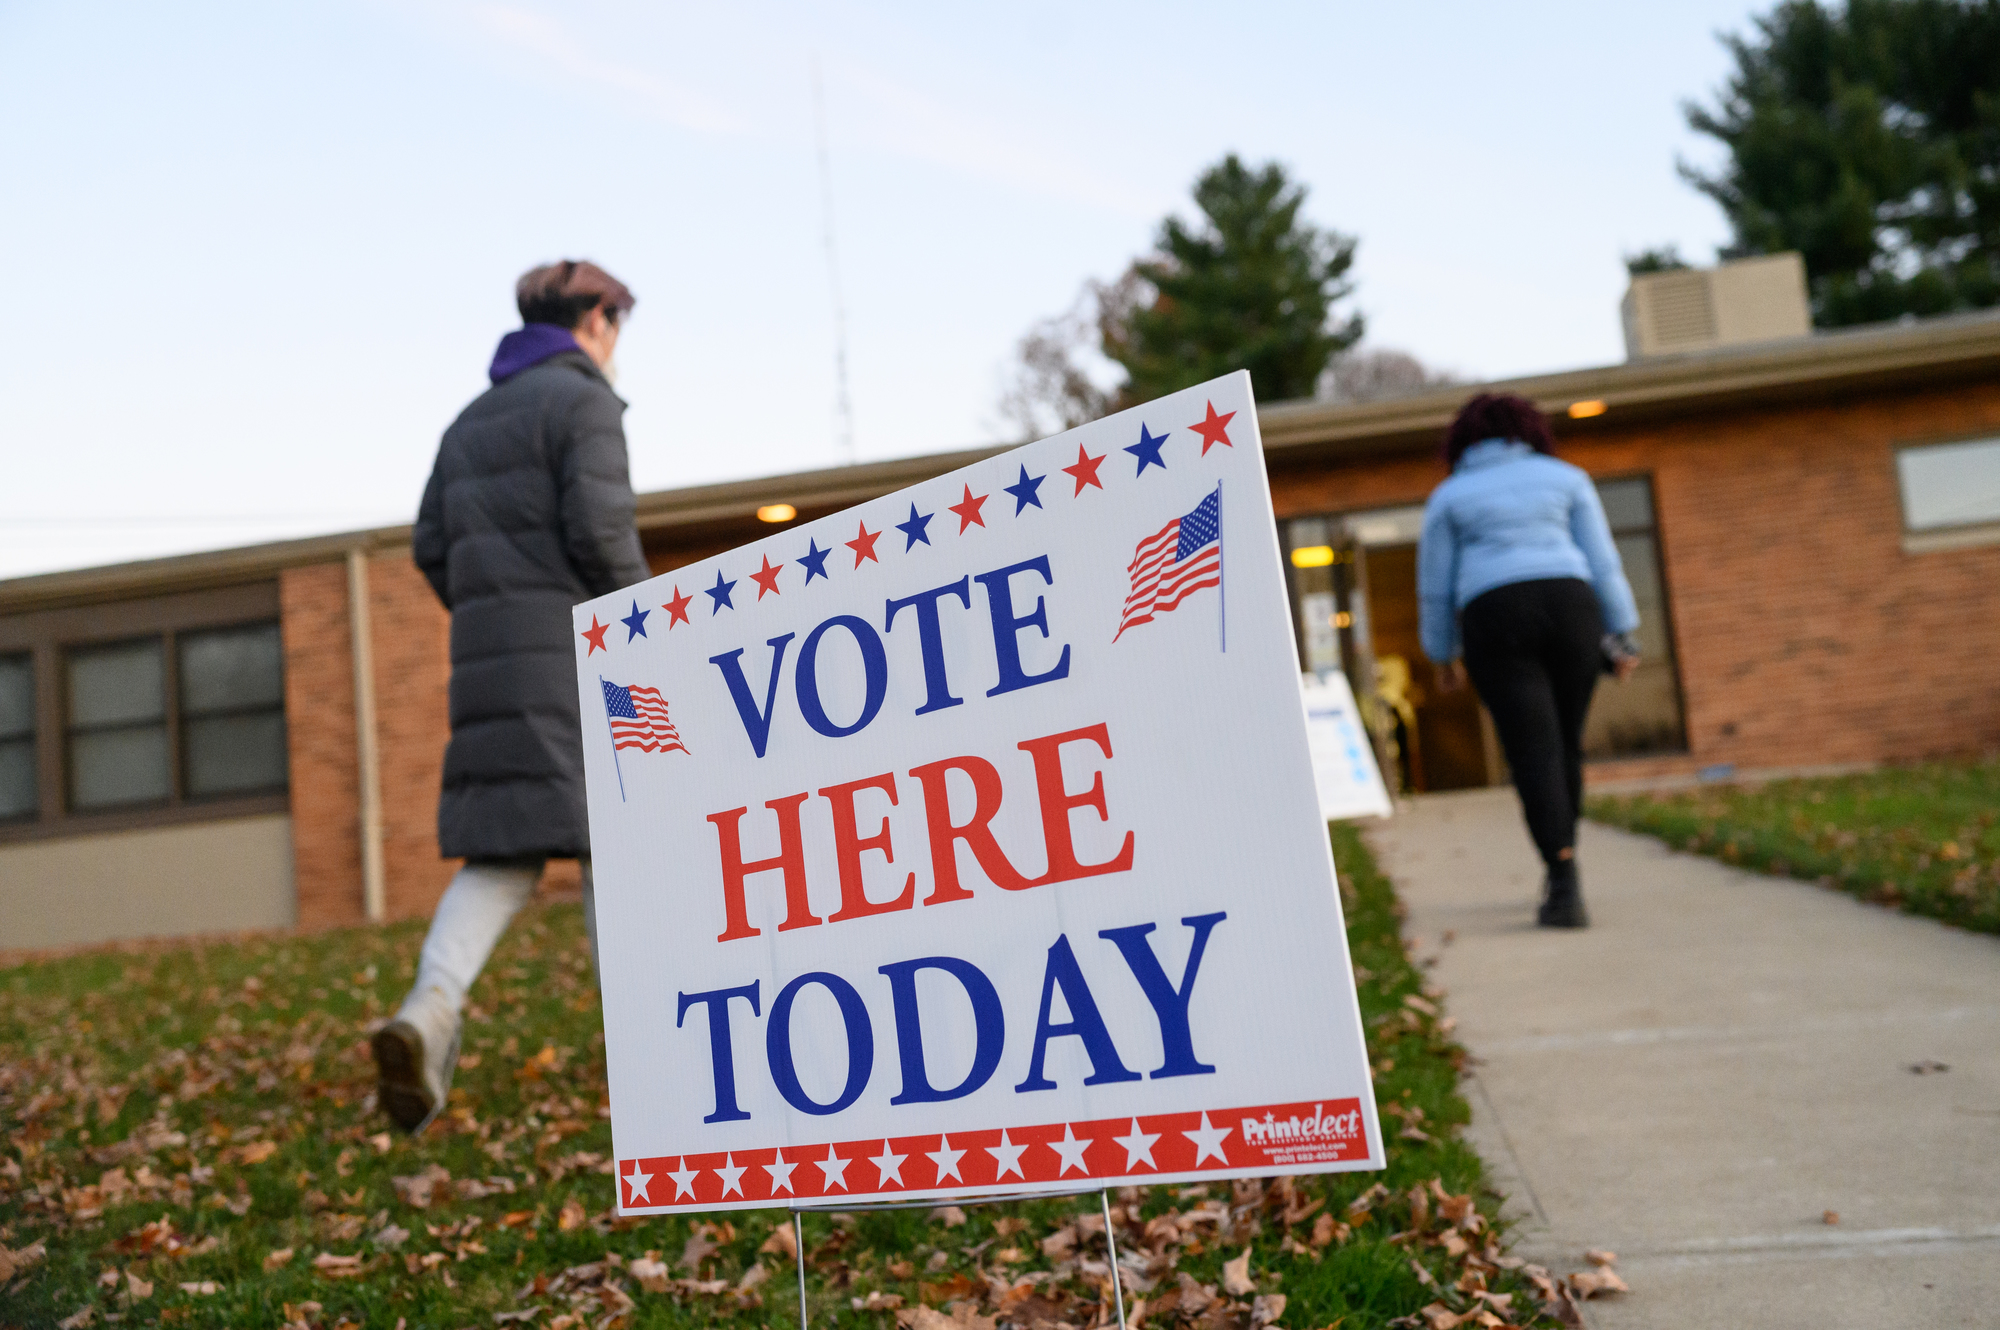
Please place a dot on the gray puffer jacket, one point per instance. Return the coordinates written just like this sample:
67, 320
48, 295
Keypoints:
528, 511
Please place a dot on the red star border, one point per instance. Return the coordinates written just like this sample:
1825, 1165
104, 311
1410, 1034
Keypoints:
1085, 470
677, 608
863, 545
767, 578
595, 636
1214, 430
968, 510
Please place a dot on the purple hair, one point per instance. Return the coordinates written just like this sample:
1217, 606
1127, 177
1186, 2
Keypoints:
1497, 416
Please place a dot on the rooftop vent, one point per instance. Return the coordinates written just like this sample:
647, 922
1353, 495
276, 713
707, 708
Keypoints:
1693, 309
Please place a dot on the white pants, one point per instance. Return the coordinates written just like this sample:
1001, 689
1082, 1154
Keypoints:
481, 901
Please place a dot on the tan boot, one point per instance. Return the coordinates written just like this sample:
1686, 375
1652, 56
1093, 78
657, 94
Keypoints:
415, 1056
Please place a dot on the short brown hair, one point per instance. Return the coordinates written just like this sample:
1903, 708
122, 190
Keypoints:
562, 293
1497, 416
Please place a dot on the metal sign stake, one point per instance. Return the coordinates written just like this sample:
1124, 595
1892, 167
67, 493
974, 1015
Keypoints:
1103, 1196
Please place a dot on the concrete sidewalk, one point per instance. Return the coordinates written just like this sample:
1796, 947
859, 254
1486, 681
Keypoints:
1721, 1059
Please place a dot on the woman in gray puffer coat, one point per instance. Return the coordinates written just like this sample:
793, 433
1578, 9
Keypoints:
528, 511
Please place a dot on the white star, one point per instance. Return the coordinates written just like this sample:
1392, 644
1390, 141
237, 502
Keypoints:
1008, 1158
946, 1160
891, 1165
1071, 1150
1138, 1146
731, 1174
835, 1169
1207, 1141
637, 1181
781, 1175
684, 1179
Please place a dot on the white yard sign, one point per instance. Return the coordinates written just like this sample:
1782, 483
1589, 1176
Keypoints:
966, 842
1343, 760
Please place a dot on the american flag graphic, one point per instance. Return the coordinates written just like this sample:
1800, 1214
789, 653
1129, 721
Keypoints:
1180, 559
639, 719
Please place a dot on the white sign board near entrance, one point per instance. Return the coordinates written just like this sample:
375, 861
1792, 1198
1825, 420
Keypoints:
966, 842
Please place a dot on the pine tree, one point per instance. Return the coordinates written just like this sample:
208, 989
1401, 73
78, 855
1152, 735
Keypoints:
1253, 289
1868, 139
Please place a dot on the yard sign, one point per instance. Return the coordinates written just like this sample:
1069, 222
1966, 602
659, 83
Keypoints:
965, 842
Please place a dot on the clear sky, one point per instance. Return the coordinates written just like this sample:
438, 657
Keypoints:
257, 255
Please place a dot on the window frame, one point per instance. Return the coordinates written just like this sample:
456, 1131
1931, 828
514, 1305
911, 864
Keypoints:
49, 636
1936, 539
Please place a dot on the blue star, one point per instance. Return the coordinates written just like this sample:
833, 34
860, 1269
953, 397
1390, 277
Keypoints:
815, 561
1147, 450
720, 591
913, 530
635, 622
1024, 489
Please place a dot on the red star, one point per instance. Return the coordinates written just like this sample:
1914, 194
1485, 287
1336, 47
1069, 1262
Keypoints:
1085, 470
968, 510
678, 608
1214, 430
863, 546
767, 580
595, 636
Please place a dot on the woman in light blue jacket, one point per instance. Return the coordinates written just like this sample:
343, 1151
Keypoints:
1519, 586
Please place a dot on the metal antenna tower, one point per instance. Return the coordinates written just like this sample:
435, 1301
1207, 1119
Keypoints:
843, 406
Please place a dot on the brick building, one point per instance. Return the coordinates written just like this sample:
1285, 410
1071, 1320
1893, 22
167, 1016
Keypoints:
252, 738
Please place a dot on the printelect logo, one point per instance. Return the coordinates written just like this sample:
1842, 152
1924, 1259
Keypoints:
1320, 1126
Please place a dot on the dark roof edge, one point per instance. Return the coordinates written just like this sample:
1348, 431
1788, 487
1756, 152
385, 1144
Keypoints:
1291, 431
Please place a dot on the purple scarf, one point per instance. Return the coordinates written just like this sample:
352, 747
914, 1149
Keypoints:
529, 345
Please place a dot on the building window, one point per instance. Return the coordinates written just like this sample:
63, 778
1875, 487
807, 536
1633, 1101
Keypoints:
117, 726
1947, 486
232, 693
1642, 715
19, 795
144, 712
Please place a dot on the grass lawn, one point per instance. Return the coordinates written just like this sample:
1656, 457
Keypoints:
1925, 838
190, 1140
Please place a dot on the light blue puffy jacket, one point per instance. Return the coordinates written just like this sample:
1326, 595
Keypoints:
1510, 514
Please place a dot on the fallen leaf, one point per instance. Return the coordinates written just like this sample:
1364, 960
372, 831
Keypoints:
278, 1260
878, 1301
1597, 1256
1008, 1225
333, 1266
1590, 1283
652, 1274
202, 1288
1830, 1217
697, 1249
1236, 1280
256, 1152
390, 1236
136, 1288
79, 1319
754, 1276
782, 1242
1267, 1309
1060, 1244
418, 1189
571, 1215
381, 1140
948, 1215
900, 1269
14, 1262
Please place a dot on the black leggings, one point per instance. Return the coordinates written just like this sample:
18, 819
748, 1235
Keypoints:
1534, 651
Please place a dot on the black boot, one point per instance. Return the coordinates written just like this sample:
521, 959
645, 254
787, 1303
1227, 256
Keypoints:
1562, 907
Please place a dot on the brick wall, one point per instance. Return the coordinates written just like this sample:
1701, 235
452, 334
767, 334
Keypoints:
1805, 635
319, 724
412, 640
